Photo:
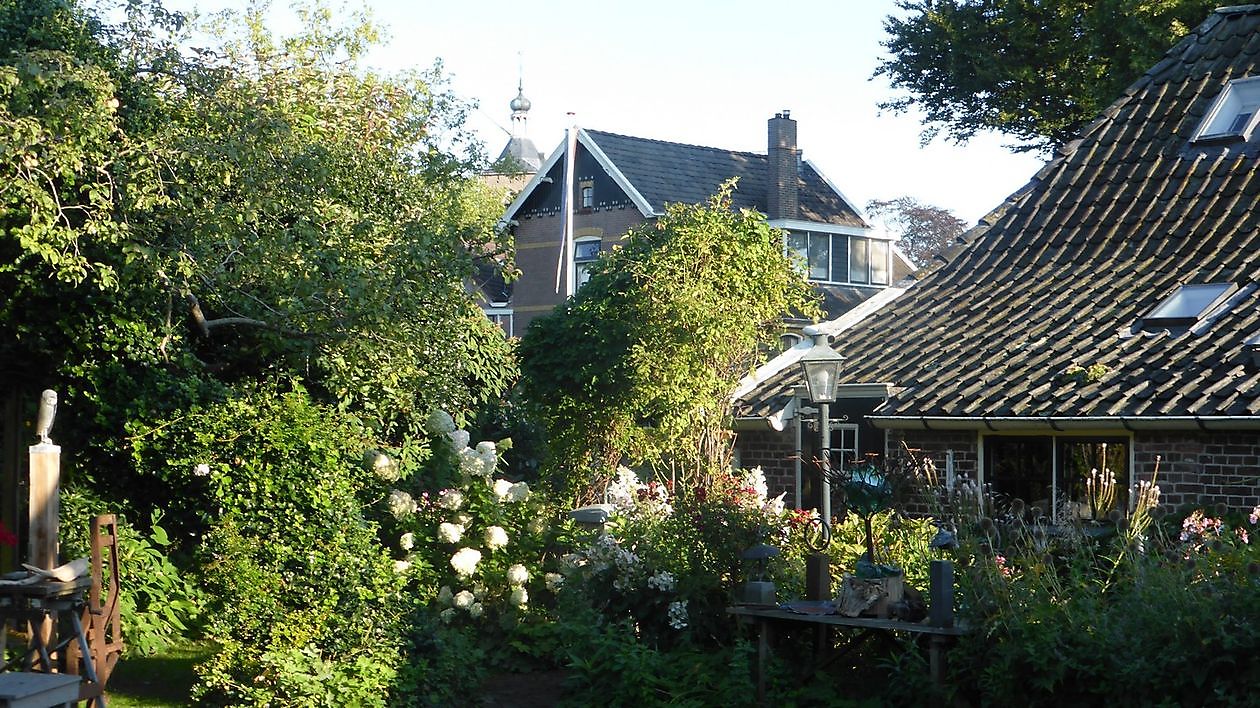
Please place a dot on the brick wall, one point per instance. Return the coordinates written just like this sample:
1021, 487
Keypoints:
538, 248
775, 453
1202, 469
935, 444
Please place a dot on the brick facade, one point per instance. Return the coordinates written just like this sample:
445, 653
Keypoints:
1196, 469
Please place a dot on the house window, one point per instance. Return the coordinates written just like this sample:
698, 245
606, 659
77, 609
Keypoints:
501, 316
844, 445
585, 252
788, 340
1234, 113
838, 258
588, 195
1064, 477
1188, 304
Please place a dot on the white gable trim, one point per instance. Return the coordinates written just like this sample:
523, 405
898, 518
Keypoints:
644, 206
819, 227
588, 142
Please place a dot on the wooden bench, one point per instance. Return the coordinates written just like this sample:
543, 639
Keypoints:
28, 689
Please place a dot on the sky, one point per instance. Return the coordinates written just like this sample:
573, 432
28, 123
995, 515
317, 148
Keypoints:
700, 73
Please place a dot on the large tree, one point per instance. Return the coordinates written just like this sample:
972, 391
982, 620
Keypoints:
641, 363
1036, 70
922, 230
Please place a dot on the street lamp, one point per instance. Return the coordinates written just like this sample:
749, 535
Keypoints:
821, 366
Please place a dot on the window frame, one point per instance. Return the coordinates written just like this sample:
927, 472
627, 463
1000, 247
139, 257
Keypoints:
1218, 126
800, 243
1059, 477
580, 264
1153, 319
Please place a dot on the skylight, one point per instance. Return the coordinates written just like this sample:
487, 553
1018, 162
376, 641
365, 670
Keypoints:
1234, 114
1188, 304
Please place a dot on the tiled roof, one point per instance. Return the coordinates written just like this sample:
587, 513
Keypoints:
674, 172
1059, 275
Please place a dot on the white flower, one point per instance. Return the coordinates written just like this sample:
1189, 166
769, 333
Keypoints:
463, 520
401, 504
407, 541
479, 590
450, 533
517, 574
496, 538
554, 581
201, 470
518, 492
444, 595
463, 599
439, 422
470, 464
774, 506
385, 468
447, 615
663, 581
623, 492
501, 488
485, 447
520, 596
450, 499
402, 566
475, 610
678, 614
459, 440
489, 456
465, 561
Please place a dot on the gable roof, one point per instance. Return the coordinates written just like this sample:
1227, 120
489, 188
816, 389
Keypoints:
654, 172
1059, 275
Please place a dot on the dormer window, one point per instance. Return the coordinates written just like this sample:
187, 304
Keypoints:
1188, 304
1233, 115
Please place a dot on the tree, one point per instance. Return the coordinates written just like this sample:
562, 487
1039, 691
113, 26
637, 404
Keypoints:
1036, 70
922, 230
641, 363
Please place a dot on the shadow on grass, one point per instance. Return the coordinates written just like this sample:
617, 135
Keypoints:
164, 679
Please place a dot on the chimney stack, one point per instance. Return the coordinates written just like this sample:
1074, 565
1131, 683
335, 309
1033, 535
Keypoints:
783, 159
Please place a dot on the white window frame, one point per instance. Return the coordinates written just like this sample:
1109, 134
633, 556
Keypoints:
580, 265
1238, 96
493, 313
847, 279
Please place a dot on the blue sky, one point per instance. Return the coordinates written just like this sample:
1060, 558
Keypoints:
701, 73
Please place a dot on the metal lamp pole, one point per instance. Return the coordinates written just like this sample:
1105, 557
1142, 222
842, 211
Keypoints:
821, 368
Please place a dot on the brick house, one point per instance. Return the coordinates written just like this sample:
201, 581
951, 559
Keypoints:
622, 181
1108, 313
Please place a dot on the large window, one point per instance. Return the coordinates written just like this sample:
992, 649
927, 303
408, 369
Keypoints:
1234, 114
1064, 477
839, 258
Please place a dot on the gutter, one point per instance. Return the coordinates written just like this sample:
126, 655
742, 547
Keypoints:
1065, 423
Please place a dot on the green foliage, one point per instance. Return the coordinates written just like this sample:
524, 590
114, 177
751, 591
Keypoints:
158, 604
1036, 70
642, 361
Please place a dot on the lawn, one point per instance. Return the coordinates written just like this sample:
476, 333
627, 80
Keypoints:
163, 679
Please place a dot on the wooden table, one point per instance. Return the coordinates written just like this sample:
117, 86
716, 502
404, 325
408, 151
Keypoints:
766, 617
29, 605
24, 689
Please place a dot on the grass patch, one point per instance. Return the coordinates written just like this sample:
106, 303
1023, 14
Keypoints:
164, 679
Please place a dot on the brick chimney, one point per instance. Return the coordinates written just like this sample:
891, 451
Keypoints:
782, 161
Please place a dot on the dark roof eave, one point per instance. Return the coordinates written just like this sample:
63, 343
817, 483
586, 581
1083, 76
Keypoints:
1066, 423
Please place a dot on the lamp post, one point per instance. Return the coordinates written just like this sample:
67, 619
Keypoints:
821, 367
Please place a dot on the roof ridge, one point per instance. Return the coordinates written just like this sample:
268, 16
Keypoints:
1237, 9
671, 142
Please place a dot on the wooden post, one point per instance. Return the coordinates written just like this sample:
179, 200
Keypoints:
45, 507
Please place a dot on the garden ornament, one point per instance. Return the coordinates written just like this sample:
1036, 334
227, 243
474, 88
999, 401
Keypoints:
47, 414
758, 590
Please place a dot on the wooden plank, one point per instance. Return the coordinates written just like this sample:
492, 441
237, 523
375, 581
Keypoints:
21, 689
838, 620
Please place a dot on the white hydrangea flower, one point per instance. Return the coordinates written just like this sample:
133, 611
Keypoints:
518, 492
465, 561
623, 492
463, 600
459, 440
554, 581
663, 581
385, 468
537, 524
501, 488
489, 455
450, 533
496, 538
470, 464
463, 520
402, 566
444, 595
401, 504
678, 614
450, 499
475, 610
447, 615
517, 574
201, 470
407, 541
520, 596
439, 422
